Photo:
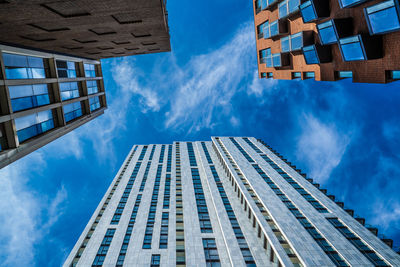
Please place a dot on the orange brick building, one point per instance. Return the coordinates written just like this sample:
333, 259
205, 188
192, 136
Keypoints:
328, 40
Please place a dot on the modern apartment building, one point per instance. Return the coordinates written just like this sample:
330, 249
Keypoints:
50, 71
328, 40
230, 202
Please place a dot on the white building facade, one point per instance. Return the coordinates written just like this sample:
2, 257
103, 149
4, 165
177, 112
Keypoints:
232, 201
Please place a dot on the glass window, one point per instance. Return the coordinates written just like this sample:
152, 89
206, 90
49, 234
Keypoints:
296, 75
263, 4
352, 48
349, 3
276, 59
28, 96
274, 30
345, 74
310, 55
293, 5
285, 44
263, 75
69, 90
155, 260
263, 55
94, 103
383, 17
296, 41
327, 33
66, 69
92, 87
395, 74
34, 124
309, 74
283, 9
23, 67
270, 75
266, 32
72, 111
308, 11
3, 142
90, 70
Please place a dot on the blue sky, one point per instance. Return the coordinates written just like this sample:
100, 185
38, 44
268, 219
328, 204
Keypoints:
344, 135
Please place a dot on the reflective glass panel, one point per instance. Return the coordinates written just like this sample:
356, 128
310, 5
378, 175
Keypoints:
352, 48
349, 3
34, 124
66, 69
296, 75
293, 5
382, 17
283, 9
94, 103
345, 74
28, 96
23, 67
270, 75
309, 74
92, 87
72, 111
395, 74
285, 44
274, 28
276, 59
296, 41
266, 30
327, 32
90, 70
308, 12
69, 90
310, 55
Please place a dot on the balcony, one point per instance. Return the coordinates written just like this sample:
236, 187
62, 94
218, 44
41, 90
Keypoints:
295, 42
312, 10
275, 29
332, 30
288, 8
361, 47
317, 54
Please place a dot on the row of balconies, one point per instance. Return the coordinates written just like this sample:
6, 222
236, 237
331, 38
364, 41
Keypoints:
372, 229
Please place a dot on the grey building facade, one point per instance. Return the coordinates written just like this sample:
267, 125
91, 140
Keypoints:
232, 201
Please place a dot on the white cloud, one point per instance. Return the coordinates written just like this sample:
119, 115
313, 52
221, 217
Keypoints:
321, 146
26, 216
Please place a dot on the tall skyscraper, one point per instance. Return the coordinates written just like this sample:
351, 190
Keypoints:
228, 202
50, 74
328, 40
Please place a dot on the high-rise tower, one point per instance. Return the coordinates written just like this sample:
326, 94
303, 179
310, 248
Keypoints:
50, 71
328, 40
228, 202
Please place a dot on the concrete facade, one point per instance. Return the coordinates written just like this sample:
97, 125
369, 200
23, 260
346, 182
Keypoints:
376, 70
251, 217
87, 28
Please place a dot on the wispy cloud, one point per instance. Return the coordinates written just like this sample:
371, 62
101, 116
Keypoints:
321, 146
26, 216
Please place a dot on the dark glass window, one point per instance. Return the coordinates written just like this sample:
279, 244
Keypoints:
94, 103
90, 70
155, 260
270, 75
296, 75
395, 74
352, 48
23, 67
309, 74
69, 90
262, 30
345, 74
383, 17
72, 111
327, 33
3, 141
92, 87
28, 96
66, 69
34, 124
310, 55
308, 12
349, 3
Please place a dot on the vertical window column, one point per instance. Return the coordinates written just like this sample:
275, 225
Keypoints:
211, 252
152, 152
167, 191
146, 173
202, 211
105, 245
148, 236
180, 230
164, 230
